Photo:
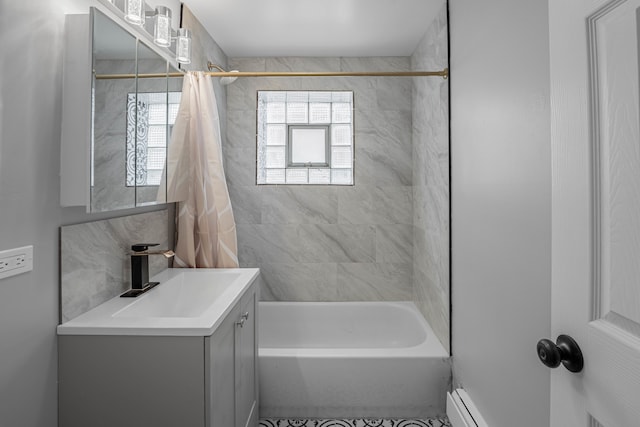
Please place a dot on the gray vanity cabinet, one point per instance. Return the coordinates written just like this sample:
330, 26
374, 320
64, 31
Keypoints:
163, 381
247, 364
232, 390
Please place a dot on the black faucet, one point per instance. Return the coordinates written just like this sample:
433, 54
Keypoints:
140, 263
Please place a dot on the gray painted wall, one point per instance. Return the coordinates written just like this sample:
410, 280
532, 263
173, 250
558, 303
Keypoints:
501, 196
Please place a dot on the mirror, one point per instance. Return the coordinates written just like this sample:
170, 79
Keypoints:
122, 130
133, 118
148, 123
114, 52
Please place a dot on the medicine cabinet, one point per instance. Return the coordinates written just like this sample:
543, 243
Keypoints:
119, 102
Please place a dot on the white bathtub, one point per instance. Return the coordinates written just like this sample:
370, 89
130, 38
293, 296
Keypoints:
349, 360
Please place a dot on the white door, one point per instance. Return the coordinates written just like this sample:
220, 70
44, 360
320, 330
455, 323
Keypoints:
595, 135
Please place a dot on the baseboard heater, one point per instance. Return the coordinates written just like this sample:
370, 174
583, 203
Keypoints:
462, 412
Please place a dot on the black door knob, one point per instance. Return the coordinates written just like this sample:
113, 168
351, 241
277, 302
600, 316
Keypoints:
565, 350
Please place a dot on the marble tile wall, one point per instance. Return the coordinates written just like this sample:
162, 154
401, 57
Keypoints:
204, 49
94, 260
328, 243
431, 276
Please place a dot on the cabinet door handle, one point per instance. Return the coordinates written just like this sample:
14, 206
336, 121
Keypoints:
243, 319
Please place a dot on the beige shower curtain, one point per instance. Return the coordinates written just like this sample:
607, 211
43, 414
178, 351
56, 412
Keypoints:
195, 174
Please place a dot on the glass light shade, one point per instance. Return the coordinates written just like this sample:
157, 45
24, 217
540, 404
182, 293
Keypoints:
162, 27
134, 11
183, 46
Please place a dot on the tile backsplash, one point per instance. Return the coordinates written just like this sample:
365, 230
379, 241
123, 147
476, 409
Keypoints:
95, 262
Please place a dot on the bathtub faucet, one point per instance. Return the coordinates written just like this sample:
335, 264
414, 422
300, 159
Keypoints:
140, 263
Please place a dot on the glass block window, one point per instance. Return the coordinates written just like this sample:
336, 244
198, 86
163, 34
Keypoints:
149, 124
305, 137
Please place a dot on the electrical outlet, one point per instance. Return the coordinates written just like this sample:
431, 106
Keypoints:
16, 261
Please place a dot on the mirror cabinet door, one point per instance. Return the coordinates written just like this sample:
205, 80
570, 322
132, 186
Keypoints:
146, 162
174, 190
114, 52
134, 105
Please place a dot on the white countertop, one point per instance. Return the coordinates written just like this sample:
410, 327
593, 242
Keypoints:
187, 302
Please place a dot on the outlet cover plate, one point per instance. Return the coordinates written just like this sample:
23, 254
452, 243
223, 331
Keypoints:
16, 261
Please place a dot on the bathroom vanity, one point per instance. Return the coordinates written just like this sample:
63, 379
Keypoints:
183, 354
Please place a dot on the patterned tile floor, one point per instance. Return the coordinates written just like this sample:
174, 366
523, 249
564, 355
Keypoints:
431, 422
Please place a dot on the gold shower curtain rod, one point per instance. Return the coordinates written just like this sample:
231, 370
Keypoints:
444, 74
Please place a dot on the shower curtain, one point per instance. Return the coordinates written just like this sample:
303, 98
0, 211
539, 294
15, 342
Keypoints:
205, 225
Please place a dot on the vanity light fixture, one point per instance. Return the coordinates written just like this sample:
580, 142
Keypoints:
162, 26
183, 46
134, 12
163, 34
